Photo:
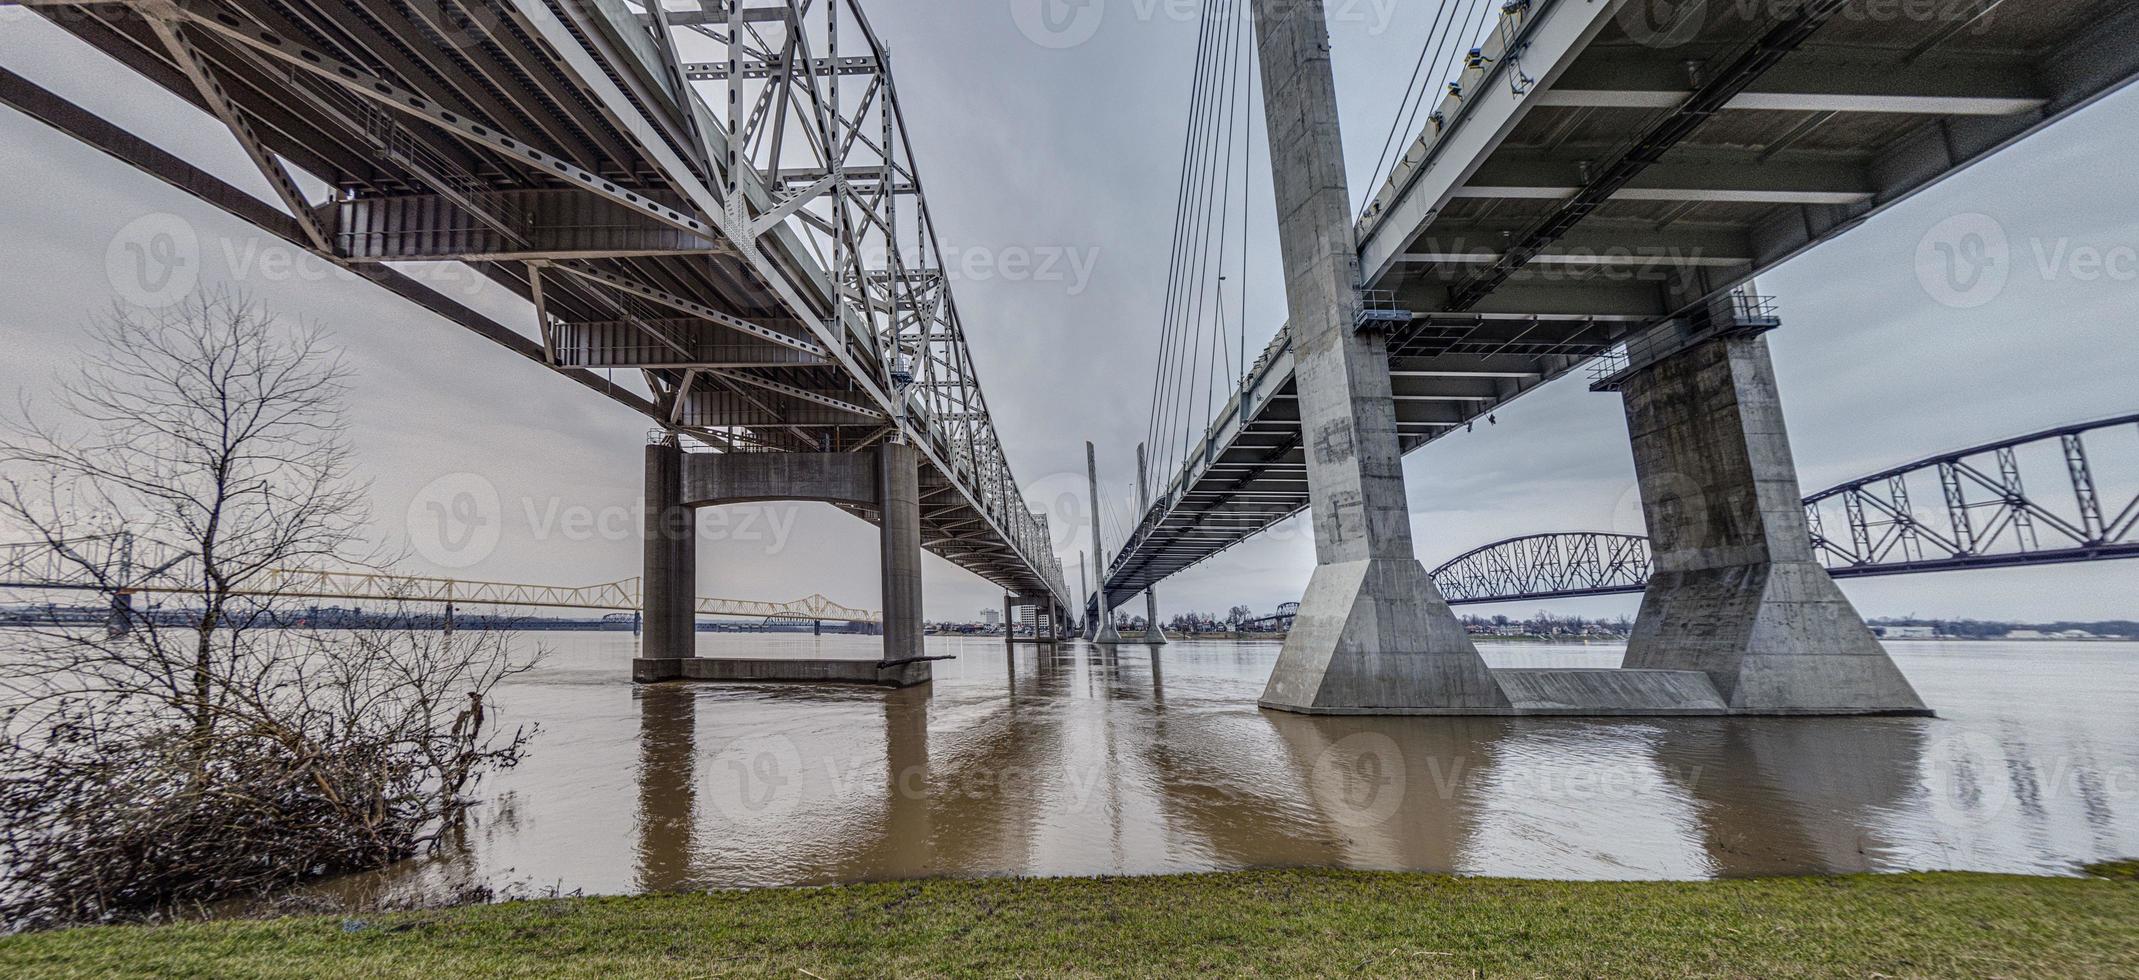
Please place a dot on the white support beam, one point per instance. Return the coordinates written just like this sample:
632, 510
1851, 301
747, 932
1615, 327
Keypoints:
370, 86
794, 202
1690, 194
802, 394
1924, 105
699, 310
163, 18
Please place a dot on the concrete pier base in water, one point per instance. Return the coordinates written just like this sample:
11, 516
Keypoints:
668, 587
1736, 592
787, 671
1376, 637
884, 482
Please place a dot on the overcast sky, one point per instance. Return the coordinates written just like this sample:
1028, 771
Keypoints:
1076, 150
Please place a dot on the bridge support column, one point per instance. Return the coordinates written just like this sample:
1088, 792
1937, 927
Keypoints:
1103, 628
899, 496
1374, 636
669, 587
1736, 592
1154, 635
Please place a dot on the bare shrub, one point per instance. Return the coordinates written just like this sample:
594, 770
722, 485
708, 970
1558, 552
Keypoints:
204, 749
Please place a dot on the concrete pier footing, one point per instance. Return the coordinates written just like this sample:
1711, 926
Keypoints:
884, 482
1736, 592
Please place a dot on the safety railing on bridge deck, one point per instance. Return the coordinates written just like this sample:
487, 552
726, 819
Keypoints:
125, 565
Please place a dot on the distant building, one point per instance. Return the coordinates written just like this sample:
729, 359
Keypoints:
1908, 632
991, 618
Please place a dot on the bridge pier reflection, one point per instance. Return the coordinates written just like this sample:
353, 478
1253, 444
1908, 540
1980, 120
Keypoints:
1793, 797
667, 782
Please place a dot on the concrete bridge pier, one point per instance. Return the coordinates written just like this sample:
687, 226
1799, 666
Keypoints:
1102, 631
884, 481
1154, 634
899, 525
1736, 592
1373, 635
668, 587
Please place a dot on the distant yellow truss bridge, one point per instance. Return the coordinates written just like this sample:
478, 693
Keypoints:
117, 564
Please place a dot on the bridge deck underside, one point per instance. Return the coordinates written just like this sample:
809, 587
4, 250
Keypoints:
1605, 203
574, 182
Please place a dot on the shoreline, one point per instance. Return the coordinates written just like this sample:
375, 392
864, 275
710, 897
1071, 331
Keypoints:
1280, 921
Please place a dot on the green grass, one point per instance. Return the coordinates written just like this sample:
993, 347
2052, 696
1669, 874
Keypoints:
1278, 922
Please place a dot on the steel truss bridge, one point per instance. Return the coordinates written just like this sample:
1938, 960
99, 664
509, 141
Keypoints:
1598, 181
2042, 499
723, 199
121, 565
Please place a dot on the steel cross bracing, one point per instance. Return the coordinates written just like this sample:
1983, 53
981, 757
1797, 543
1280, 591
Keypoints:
1597, 180
120, 564
2059, 496
724, 200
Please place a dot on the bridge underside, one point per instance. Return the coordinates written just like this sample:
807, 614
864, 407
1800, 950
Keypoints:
1597, 183
1604, 190
552, 146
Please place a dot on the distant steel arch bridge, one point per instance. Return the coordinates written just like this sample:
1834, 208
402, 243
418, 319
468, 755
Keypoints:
2047, 498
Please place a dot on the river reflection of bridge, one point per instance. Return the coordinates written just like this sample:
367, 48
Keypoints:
1108, 762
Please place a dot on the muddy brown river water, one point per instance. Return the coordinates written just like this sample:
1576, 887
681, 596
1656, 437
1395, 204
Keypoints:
1072, 760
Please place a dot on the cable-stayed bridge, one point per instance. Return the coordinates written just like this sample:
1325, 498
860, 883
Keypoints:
1595, 181
1572, 181
722, 201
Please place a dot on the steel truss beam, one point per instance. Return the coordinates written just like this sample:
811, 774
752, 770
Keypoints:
1990, 519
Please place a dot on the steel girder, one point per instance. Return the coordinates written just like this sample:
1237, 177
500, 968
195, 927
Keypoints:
570, 151
2032, 500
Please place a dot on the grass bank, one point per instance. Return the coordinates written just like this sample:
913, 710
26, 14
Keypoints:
1280, 922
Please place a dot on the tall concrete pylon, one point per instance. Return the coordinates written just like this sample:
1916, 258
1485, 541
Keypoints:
1154, 634
1084, 591
1374, 635
1104, 632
